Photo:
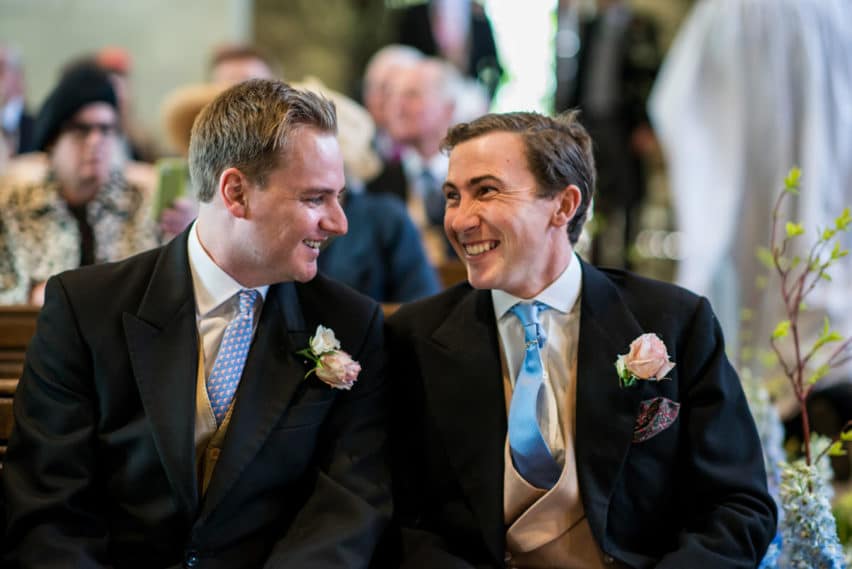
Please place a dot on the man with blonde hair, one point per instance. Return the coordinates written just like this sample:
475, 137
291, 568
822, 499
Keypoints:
175, 409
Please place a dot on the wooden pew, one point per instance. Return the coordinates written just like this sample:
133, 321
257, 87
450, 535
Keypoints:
17, 326
7, 393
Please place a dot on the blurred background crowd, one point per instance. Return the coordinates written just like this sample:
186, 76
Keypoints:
698, 108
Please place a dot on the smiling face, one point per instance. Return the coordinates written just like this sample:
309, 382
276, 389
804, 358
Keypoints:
508, 237
296, 210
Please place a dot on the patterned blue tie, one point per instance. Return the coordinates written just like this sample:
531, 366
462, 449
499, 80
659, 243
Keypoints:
228, 367
530, 455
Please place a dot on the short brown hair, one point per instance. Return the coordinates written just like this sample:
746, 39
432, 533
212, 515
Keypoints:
248, 127
558, 152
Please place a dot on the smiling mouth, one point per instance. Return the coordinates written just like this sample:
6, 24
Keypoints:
313, 244
476, 249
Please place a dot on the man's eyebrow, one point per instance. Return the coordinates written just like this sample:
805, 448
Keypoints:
486, 177
474, 181
321, 190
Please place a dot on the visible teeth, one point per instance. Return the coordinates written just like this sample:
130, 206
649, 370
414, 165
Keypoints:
479, 248
312, 244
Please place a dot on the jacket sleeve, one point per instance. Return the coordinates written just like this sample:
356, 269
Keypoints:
343, 519
730, 517
52, 513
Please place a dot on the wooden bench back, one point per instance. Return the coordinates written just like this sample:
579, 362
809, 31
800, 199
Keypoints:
17, 326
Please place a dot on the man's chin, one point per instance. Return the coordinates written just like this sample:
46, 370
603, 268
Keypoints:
478, 279
306, 274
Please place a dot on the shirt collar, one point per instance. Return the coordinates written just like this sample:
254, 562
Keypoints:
212, 286
560, 295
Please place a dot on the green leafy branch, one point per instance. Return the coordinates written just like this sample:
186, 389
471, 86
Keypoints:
799, 276
836, 448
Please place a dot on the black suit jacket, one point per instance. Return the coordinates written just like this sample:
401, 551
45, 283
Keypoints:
100, 467
692, 496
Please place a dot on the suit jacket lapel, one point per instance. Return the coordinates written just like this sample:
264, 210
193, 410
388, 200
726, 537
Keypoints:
162, 342
271, 376
465, 392
605, 411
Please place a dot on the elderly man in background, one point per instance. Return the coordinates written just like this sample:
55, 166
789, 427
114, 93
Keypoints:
378, 80
421, 110
83, 211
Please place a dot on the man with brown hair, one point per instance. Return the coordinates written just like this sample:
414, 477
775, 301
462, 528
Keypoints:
170, 412
551, 414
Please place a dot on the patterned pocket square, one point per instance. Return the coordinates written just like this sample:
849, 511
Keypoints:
655, 416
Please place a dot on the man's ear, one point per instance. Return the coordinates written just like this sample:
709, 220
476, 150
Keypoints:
568, 199
234, 188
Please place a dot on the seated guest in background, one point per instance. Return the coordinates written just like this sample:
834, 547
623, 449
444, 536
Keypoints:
234, 63
136, 143
169, 413
83, 211
378, 79
551, 414
422, 107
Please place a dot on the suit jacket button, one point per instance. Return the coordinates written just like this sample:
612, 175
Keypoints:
191, 560
608, 559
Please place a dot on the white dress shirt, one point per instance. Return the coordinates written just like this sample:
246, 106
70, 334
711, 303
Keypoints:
216, 301
561, 297
216, 304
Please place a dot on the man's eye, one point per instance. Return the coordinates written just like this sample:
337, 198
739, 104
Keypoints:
486, 190
315, 200
452, 196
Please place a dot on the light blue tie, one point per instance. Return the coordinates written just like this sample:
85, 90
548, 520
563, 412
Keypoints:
530, 455
228, 367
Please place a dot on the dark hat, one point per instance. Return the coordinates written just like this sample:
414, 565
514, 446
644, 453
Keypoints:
79, 87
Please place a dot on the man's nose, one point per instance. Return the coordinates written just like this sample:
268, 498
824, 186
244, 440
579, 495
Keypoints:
96, 135
464, 217
335, 221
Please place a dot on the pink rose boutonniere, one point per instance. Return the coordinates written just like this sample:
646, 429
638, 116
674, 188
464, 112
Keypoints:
648, 359
332, 365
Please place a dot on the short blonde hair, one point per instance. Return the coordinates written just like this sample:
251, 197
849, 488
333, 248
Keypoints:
248, 127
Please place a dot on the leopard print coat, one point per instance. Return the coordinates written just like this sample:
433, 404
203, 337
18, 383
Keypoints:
39, 236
